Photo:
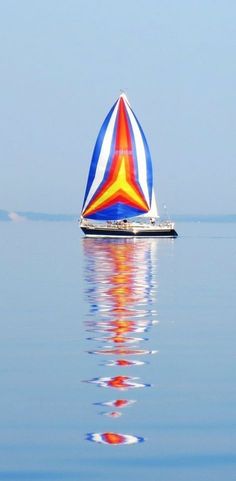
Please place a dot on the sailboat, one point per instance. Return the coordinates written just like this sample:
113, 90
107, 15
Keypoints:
119, 198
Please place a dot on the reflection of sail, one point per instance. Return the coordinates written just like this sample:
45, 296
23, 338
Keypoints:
117, 403
118, 382
121, 293
114, 438
121, 274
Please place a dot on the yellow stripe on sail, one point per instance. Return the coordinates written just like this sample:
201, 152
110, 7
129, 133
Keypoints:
120, 184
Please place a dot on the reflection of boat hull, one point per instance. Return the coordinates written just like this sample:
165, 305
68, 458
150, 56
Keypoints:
162, 230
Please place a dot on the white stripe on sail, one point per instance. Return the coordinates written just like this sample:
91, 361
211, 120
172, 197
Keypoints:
141, 155
125, 98
103, 157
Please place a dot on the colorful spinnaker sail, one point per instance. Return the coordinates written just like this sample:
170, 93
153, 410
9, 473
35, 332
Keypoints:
120, 180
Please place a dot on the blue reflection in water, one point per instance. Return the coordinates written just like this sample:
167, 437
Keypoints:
121, 292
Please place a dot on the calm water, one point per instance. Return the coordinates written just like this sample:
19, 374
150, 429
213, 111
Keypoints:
117, 357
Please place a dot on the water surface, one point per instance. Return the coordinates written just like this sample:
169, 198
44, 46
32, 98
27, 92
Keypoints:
118, 356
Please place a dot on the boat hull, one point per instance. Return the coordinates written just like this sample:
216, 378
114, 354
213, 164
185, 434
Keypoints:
149, 232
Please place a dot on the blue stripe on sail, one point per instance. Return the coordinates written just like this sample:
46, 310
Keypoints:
116, 212
111, 155
109, 160
96, 152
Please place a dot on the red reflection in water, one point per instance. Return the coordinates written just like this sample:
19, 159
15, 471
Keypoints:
113, 414
124, 362
118, 382
114, 438
121, 403
117, 403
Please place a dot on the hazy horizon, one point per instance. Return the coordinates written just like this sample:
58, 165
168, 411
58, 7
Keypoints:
60, 216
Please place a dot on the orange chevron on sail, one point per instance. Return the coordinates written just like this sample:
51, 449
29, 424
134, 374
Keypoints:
118, 189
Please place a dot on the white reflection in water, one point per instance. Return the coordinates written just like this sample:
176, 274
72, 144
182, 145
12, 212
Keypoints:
122, 351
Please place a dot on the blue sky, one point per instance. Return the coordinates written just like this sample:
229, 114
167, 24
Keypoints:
63, 63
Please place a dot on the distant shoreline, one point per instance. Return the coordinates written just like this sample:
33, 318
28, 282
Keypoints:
18, 216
